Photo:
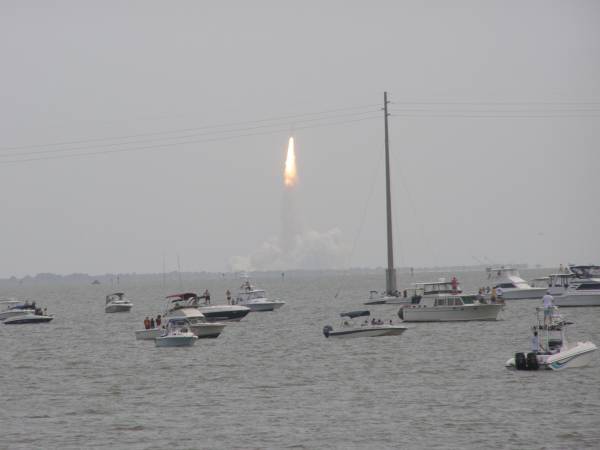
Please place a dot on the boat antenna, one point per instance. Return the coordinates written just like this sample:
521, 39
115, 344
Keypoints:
390, 273
179, 271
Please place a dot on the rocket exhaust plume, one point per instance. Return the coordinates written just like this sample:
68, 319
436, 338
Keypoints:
290, 176
297, 246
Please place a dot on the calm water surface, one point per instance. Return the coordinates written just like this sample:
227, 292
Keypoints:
274, 381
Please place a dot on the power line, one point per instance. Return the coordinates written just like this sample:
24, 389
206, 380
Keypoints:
174, 144
19, 153
185, 130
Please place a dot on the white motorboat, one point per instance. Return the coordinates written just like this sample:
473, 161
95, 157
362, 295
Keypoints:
28, 317
256, 299
183, 306
10, 308
176, 334
351, 327
117, 302
554, 351
579, 287
511, 286
449, 308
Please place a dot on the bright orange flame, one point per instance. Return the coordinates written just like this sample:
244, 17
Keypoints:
290, 177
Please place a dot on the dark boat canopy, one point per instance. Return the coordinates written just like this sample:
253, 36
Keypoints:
589, 271
353, 314
184, 296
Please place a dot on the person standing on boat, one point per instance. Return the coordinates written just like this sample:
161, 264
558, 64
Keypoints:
454, 284
535, 343
228, 295
147, 323
206, 296
548, 307
493, 296
158, 321
152, 324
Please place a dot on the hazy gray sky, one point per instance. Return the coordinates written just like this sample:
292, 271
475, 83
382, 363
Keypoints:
516, 186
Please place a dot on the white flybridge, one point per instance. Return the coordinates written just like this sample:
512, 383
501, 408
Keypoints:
511, 285
391, 293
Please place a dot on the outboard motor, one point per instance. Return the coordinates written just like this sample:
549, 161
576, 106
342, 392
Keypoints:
401, 313
327, 329
520, 361
532, 362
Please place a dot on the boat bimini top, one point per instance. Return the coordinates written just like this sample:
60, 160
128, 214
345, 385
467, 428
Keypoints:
354, 314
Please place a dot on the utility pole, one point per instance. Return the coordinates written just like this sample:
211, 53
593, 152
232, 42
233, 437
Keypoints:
390, 273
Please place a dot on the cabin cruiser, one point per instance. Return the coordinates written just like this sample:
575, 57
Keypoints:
417, 291
449, 308
28, 315
117, 303
351, 327
255, 299
580, 286
552, 349
511, 286
176, 334
183, 306
10, 308
212, 313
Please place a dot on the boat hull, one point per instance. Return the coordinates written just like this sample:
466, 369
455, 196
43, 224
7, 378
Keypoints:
263, 306
118, 308
463, 313
580, 355
372, 331
201, 331
574, 299
175, 341
14, 312
27, 318
523, 294
388, 300
225, 313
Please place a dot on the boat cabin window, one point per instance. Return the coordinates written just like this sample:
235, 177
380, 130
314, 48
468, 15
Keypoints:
506, 285
458, 302
467, 301
440, 302
589, 286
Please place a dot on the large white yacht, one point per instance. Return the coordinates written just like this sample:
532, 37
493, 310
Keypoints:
578, 287
555, 351
420, 289
511, 285
117, 303
449, 308
256, 299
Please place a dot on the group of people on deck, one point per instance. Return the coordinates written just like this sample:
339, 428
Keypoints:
495, 294
150, 323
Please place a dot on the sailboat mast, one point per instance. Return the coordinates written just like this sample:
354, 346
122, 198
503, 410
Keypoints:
390, 273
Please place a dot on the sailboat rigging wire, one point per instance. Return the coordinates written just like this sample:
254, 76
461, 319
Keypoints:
414, 211
376, 171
